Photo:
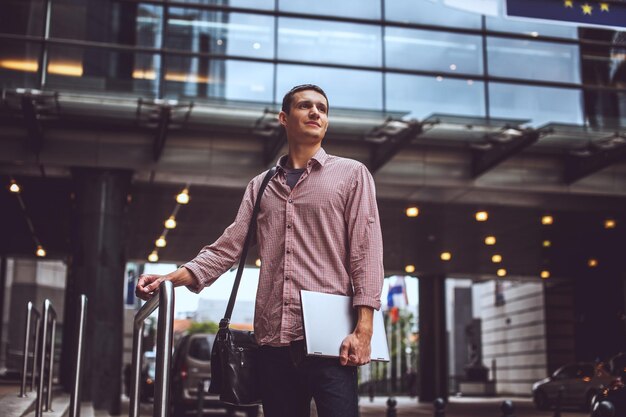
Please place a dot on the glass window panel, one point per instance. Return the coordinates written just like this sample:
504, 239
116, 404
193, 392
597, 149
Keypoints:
218, 78
221, 33
605, 109
533, 60
604, 64
22, 17
345, 88
73, 68
529, 27
433, 51
421, 96
244, 4
19, 62
331, 42
364, 9
540, 105
430, 12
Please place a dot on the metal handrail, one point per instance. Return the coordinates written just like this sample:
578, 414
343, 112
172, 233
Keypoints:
165, 330
49, 314
75, 397
30, 311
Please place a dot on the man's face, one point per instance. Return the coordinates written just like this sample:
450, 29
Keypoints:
307, 120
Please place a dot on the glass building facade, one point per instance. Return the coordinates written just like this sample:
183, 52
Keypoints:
414, 57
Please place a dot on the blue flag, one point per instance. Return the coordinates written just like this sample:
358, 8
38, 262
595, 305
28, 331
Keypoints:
594, 13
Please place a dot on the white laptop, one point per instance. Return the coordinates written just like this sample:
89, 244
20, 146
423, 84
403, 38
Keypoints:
329, 318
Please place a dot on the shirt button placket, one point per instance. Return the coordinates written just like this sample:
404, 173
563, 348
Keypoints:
286, 319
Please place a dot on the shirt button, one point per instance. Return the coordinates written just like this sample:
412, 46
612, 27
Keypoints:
286, 303
288, 251
290, 200
286, 278
288, 226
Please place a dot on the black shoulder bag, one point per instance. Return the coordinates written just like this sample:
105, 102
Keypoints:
234, 357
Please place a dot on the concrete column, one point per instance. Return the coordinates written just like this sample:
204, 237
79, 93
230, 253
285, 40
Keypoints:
433, 346
96, 268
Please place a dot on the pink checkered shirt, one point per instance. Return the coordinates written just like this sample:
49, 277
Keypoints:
324, 235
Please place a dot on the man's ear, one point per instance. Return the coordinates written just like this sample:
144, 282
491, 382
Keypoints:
282, 118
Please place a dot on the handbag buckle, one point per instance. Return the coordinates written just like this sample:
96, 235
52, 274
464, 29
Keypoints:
224, 323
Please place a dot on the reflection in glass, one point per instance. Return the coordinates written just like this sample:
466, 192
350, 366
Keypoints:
533, 60
18, 64
244, 4
215, 78
331, 42
208, 31
540, 105
345, 88
532, 28
422, 96
430, 12
22, 17
364, 9
433, 51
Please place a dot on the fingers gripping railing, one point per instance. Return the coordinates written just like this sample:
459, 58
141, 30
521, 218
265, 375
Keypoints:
75, 397
49, 320
165, 328
30, 312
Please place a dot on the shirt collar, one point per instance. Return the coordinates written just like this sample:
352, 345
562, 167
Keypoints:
320, 157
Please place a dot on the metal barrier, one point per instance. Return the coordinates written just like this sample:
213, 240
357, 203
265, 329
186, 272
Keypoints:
30, 311
165, 330
49, 314
75, 397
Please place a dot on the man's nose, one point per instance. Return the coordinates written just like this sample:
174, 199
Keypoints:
314, 112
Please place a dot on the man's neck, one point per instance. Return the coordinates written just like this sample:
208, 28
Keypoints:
299, 155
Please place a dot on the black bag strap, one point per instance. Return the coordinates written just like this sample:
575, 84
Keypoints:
244, 253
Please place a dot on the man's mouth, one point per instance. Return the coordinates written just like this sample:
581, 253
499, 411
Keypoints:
313, 124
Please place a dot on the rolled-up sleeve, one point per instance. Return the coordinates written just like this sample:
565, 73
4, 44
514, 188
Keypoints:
365, 238
214, 260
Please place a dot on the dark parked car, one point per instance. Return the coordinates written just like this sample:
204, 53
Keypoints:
578, 384
615, 393
191, 366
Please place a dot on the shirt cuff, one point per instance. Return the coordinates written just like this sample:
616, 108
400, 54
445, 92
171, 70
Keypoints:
365, 300
198, 285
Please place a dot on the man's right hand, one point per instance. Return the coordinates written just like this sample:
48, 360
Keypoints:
148, 285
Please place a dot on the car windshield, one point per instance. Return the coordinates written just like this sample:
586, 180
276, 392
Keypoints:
199, 348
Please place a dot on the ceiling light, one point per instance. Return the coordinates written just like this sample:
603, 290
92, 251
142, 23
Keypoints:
547, 243
453, 67
446, 256
534, 34
153, 257
256, 45
547, 220
183, 197
160, 242
439, 78
470, 82
490, 240
609, 224
592, 263
496, 258
258, 262
482, 216
170, 223
412, 212
14, 187
545, 274
409, 269
41, 252
501, 272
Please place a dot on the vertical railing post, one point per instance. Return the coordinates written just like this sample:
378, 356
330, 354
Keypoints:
75, 397
136, 369
29, 310
42, 364
51, 364
35, 352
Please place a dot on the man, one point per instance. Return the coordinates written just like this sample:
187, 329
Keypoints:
318, 229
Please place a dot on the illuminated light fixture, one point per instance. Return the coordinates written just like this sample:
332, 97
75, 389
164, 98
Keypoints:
501, 272
439, 78
14, 187
18, 65
490, 240
609, 224
547, 220
183, 197
256, 45
220, 42
153, 257
546, 243
160, 242
446, 256
545, 274
41, 252
258, 262
496, 258
186, 78
66, 68
453, 67
534, 34
409, 269
482, 216
592, 263
140, 74
470, 82
412, 212
170, 223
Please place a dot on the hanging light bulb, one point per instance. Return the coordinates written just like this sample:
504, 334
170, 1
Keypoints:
14, 187
547, 220
412, 212
446, 256
496, 259
170, 223
183, 197
153, 257
547, 243
501, 272
409, 269
545, 274
609, 224
160, 242
490, 240
258, 262
41, 252
482, 216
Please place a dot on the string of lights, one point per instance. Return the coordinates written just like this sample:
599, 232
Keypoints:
182, 199
15, 189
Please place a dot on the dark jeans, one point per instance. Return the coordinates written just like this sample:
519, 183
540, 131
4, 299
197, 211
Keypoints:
289, 380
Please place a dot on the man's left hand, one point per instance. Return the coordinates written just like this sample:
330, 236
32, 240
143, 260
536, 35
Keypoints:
355, 349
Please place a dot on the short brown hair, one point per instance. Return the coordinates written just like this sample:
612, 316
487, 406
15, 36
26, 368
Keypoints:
289, 96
